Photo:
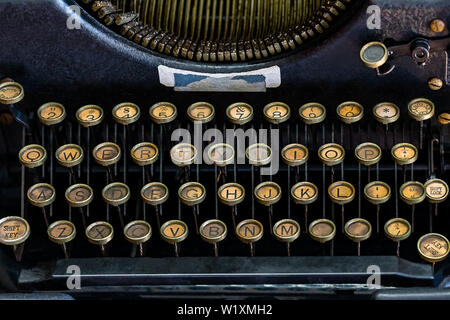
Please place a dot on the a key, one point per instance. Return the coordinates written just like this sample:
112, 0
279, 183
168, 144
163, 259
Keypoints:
231, 194
41, 195
192, 194
32, 155
377, 193
331, 154
116, 194
62, 232
358, 230
268, 193
138, 232
51, 113
250, 231
341, 192
100, 233
421, 109
397, 229
239, 113
14, 231
433, 247
201, 111
312, 113
213, 231
155, 194
126, 113
286, 230
276, 112
79, 196
163, 112
174, 232
350, 112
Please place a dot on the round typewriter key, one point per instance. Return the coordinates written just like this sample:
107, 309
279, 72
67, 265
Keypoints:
201, 111
404, 153
286, 230
377, 192
100, 233
350, 112
322, 230
69, 155
51, 113
144, 153
221, 154
341, 192
304, 193
433, 247
155, 193
331, 154
268, 193
61, 231
163, 112
174, 232
138, 232
116, 193
183, 154
397, 229
79, 195
444, 118
106, 153
250, 231
277, 112
386, 112
11, 92
213, 231
259, 154
231, 193
312, 113
32, 155
13, 230
239, 113
41, 194
89, 115
368, 153
412, 192
126, 113
374, 54
294, 154
421, 109
436, 190
192, 193
358, 229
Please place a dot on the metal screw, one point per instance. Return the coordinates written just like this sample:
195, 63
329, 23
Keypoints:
437, 25
435, 84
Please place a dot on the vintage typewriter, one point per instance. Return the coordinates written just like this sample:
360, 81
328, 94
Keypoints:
239, 148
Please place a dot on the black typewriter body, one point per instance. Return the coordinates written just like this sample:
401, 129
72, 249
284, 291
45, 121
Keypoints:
97, 65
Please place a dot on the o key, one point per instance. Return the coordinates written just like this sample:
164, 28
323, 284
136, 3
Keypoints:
183, 154
51, 113
277, 112
294, 154
41, 194
116, 193
331, 154
231, 194
239, 113
79, 195
126, 113
368, 153
312, 113
69, 155
32, 155
155, 193
304, 193
144, 153
89, 115
350, 112
163, 112
106, 153
201, 111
